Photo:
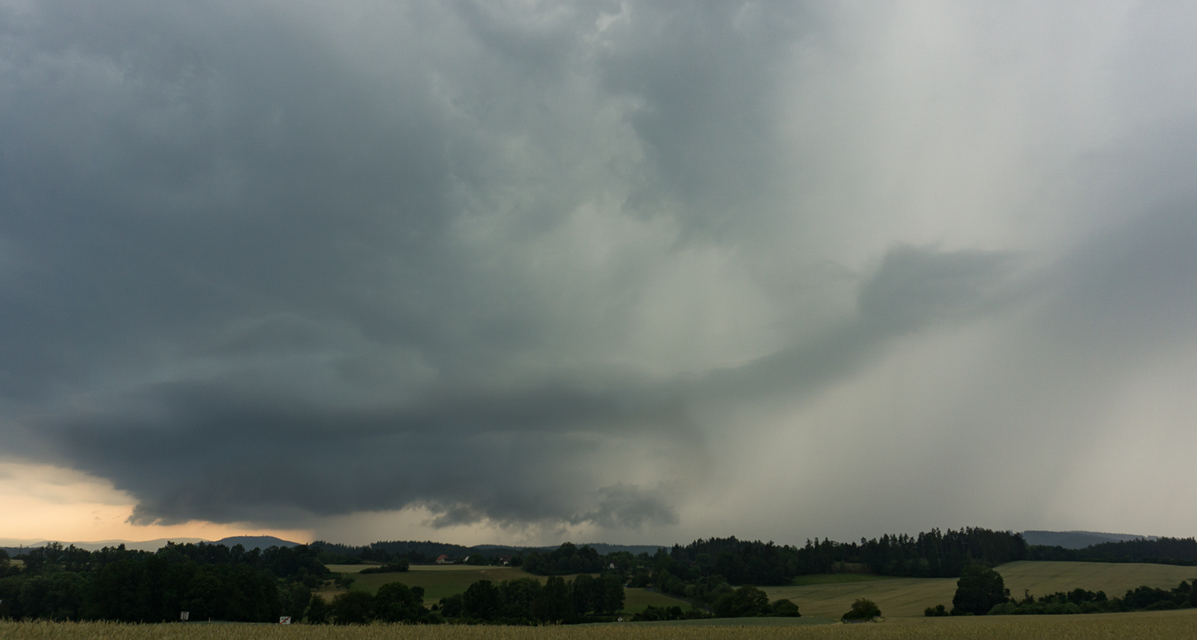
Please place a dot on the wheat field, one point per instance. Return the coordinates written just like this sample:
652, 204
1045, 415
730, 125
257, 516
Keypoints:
907, 597
1177, 625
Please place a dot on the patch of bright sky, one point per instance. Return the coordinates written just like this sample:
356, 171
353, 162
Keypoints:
43, 502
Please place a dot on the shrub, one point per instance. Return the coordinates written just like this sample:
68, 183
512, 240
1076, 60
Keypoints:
355, 607
653, 614
747, 601
394, 567
978, 590
784, 609
317, 611
1003, 609
862, 609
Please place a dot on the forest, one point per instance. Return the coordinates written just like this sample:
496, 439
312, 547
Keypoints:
982, 591
717, 576
208, 581
1176, 551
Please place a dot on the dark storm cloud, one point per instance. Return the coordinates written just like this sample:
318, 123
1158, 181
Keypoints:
213, 453
704, 76
273, 263
913, 289
235, 290
219, 226
218, 452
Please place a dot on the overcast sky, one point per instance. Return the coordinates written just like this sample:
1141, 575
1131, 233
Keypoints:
606, 271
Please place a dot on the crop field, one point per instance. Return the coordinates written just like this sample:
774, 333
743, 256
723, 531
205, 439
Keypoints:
637, 600
357, 568
1042, 578
897, 597
353, 568
440, 581
804, 621
827, 596
907, 597
1175, 625
446, 580
837, 578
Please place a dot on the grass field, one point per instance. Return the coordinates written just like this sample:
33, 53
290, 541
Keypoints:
1042, 578
1174, 625
826, 596
637, 600
897, 597
351, 568
907, 597
440, 581
357, 568
837, 578
804, 621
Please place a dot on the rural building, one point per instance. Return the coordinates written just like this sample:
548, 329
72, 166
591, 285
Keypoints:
443, 559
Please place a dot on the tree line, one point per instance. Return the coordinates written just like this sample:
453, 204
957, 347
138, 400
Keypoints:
115, 583
718, 576
706, 569
982, 591
414, 552
1175, 551
933, 553
522, 601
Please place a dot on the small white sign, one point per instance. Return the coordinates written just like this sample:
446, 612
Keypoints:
284, 619
183, 615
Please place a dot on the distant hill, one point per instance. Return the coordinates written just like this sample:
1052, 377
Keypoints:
137, 545
1077, 539
249, 542
426, 551
256, 542
604, 548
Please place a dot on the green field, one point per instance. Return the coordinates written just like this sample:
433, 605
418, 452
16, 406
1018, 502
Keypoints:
351, 568
1173, 625
897, 597
440, 581
637, 600
837, 578
804, 621
825, 596
907, 597
1042, 578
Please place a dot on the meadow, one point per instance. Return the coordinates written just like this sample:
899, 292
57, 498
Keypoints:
440, 581
830, 596
819, 596
1178, 625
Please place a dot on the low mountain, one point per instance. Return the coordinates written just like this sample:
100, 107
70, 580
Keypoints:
1077, 539
249, 542
256, 542
95, 545
604, 549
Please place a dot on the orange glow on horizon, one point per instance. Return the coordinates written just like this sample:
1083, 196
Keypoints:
44, 502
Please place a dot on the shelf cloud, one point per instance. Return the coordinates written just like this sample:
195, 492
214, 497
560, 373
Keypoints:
630, 269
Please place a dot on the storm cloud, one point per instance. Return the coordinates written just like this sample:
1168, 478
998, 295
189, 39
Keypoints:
609, 266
